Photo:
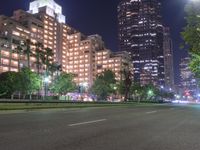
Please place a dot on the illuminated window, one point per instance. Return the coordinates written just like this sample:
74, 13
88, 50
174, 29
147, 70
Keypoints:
20, 29
26, 31
5, 69
5, 61
34, 29
5, 53
13, 69
16, 33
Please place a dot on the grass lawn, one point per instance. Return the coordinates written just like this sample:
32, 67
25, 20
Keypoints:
38, 105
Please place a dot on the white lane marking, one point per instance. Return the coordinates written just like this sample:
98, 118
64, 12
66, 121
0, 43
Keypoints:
151, 112
88, 122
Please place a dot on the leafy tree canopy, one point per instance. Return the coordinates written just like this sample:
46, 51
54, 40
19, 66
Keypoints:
30, 81
191, 33
195, 65
9, 83
63, 84
104, 85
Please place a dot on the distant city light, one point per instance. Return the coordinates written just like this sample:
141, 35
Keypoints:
178, 96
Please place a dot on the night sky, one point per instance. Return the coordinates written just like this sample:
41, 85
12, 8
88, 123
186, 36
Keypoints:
100, 17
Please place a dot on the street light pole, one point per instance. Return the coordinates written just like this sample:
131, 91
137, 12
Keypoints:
46, 82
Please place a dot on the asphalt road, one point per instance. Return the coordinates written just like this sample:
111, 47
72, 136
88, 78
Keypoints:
134, 128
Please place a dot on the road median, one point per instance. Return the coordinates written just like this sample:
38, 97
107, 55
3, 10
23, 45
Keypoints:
25, 105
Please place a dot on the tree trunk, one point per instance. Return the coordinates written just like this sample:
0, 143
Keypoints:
125, 97
19, 95
19, 63
127, 93
138, 99
28, 60
38, 67
30, 96
38, 94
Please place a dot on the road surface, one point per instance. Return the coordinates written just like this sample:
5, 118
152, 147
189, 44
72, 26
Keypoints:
166, 127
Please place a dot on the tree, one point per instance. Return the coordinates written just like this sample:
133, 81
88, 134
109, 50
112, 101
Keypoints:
48, 58
55, 68
121, 88
104, 85
195, 65
137, 91
151, 92
38, 55
20, 51
9, 83
191, 34
126, 82
63, 84
27, 51
101, 89
108, 76
30, 82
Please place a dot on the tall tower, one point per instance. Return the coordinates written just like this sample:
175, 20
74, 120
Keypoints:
50, 13
168, 58
141, 34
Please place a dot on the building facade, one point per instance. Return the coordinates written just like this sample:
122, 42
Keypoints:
44, 23
188, 82
116, 62
87, 57
141, 34
168, 58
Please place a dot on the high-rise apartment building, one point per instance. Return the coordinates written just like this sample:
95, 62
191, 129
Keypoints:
141, 34
168, 58
80, 58
115, 62
87, 57
75, 52
13, 34
43, 23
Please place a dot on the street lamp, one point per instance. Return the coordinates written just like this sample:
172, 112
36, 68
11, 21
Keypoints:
46, 79
46, 82
150, 93
178, 96
115, 88
83, 86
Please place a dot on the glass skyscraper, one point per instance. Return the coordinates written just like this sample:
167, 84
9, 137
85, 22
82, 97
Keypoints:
141, 34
